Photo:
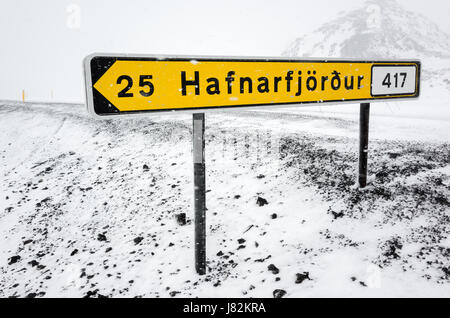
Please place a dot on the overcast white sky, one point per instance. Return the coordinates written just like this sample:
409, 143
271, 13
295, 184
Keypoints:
42, 43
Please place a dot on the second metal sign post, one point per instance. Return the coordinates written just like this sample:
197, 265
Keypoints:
198, 147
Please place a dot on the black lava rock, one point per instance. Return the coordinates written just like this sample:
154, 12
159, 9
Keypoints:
181, 218
274, 216
74, 252
101, 237
301, 277
91, 293
261, 201
241, 240
33, 263
273, 269
393, 247
337, 215
145, 167
278, 293
13, 259
173, 293
138, 240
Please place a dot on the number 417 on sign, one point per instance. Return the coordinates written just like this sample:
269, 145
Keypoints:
393, 79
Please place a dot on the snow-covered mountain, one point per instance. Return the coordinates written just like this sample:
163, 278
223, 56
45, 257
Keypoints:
376, 29
380, 29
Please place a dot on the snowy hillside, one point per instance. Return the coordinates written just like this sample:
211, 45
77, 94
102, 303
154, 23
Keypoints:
378, 29
92, 208
381, 29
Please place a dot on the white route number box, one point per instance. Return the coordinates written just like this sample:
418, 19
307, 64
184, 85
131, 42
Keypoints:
395, 80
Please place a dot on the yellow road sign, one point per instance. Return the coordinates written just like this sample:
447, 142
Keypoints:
124, 84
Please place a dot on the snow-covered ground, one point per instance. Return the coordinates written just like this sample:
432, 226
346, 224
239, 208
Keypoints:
89, 208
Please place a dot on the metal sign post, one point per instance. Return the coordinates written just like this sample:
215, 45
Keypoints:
364, 111
198, 140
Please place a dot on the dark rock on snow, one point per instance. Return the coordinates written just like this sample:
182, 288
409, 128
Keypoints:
13, 259
273, 269
33, 263
101, 237
337, 215
181, 218
261, 201
278, 293
173, 293
138, 240
302, 277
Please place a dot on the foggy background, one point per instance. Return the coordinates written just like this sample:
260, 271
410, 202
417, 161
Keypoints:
44, 42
